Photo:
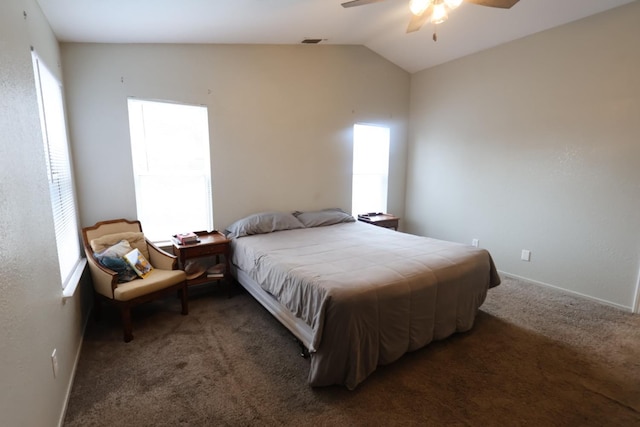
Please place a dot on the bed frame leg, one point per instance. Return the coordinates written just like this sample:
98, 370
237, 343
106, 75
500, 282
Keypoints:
304, 351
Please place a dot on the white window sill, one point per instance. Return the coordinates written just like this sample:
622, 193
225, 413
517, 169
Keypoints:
74, 280
164, 243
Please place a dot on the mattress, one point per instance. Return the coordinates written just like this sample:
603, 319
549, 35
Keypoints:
366, 294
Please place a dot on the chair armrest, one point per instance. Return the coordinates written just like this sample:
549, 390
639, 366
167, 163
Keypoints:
104, 279
161, 259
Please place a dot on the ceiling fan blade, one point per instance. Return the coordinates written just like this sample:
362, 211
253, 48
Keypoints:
503, 4
359, 3
416, 22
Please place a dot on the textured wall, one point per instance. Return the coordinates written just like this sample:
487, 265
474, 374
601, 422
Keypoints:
535, 145
34, 318
280, 120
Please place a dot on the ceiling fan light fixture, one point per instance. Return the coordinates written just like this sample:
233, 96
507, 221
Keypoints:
436, 11
418, 7
452, 4
439, 14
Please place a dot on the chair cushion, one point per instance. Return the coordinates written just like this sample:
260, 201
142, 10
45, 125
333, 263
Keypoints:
135, 239
156, 280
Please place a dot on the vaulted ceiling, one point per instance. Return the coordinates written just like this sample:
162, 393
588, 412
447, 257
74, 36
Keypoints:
380, 26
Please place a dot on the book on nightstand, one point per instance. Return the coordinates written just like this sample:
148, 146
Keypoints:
187, 238
216, 272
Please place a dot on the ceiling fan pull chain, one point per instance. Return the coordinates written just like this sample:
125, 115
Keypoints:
435, 37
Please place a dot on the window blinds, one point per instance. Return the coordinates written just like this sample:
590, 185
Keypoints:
61, 190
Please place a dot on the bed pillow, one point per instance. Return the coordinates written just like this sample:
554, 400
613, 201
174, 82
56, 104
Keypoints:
323, 217
113, 259
260, 223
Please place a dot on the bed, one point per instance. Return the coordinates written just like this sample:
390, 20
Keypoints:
356, 295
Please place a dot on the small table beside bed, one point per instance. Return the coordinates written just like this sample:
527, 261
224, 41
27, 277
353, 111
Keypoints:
357, 296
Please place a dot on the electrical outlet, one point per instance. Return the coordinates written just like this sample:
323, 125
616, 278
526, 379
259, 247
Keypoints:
475, 243
54, 363
526, 255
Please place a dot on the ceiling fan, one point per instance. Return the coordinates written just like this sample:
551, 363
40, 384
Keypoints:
437, 10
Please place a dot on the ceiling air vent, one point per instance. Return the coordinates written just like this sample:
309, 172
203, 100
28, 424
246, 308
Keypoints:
311, 41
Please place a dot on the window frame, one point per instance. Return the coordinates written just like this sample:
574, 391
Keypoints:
145, 173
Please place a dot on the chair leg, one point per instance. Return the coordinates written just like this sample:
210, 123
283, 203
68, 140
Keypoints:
125, 314
184, 295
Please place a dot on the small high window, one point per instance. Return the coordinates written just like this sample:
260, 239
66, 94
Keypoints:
370, 168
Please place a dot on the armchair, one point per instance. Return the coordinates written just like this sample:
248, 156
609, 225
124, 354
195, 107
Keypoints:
163, 280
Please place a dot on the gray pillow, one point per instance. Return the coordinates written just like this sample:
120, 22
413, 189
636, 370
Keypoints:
323, 217
264, 222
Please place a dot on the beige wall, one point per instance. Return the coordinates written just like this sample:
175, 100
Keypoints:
531, 145
34, 318
280, 120
536, 145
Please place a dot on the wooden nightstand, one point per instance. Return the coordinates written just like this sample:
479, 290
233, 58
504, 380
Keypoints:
381, 220
210, 245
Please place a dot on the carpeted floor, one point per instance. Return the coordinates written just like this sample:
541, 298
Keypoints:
535, 357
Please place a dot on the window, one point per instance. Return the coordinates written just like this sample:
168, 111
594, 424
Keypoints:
171, 167
370, 168
61, 190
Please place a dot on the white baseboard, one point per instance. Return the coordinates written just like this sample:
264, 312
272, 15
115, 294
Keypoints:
73, 371
578, 294
636, 306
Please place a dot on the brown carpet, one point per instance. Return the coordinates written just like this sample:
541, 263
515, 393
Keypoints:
535, 357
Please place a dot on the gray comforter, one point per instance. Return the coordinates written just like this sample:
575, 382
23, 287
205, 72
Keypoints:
369, 294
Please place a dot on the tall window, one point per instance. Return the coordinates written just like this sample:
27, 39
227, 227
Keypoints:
370, 168
171, 165
61, 191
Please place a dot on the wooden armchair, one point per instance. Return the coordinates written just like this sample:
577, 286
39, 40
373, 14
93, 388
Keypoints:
163, 280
